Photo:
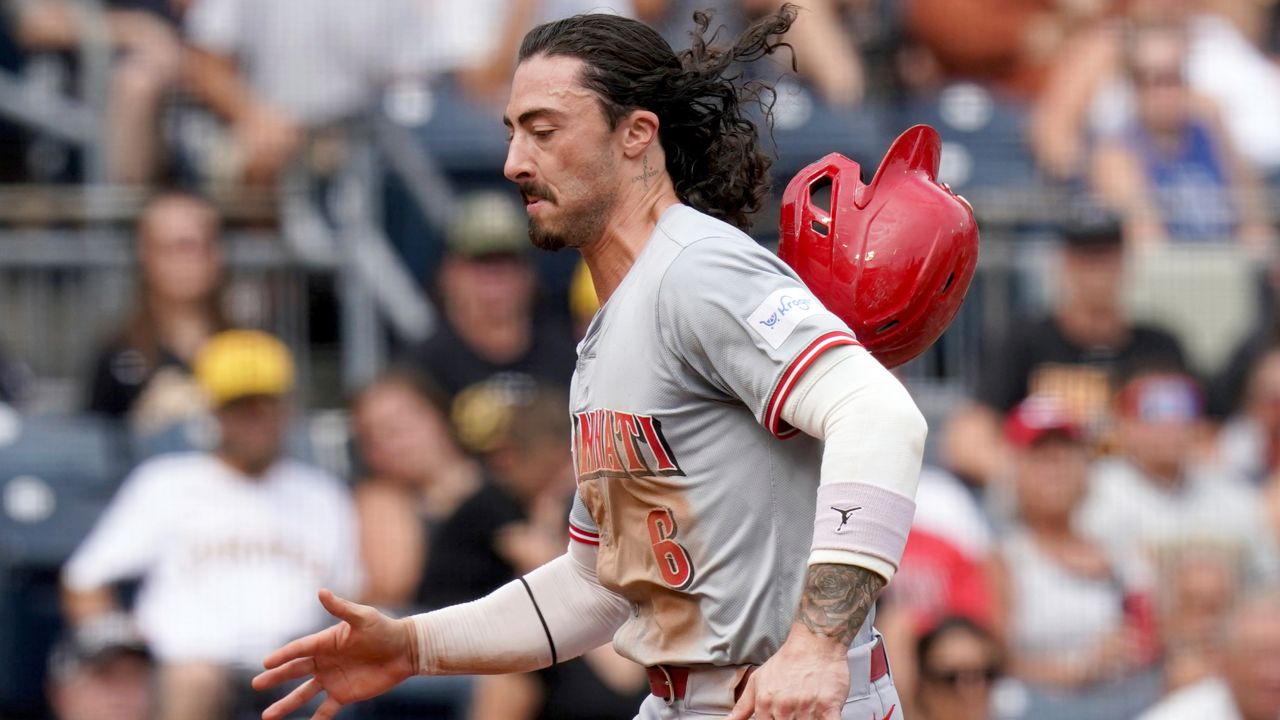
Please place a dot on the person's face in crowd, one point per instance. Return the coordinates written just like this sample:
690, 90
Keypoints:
1093, 278
562, 154
253, 431
957, 676
178, 250
1157, 69
1158, 428
118, 688
532, 467
1263, 402
401, 435
1052, 476
1203, 590
498, 286
1252, 660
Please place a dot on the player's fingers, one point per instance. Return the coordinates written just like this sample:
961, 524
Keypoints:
293, 669
300, 696
746, 702
302, 647
355, 614
327, 709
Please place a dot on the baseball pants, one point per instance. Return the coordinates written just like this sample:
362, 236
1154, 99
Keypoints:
709, 694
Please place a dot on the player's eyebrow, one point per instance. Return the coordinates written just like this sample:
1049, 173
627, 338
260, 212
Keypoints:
530, 115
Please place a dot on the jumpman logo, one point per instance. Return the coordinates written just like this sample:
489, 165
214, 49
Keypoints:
844, 515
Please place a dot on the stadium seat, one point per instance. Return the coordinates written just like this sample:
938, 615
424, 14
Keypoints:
56, 476
805, 129
983, 137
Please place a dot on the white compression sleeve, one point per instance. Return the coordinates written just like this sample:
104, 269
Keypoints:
873, 446
562, 613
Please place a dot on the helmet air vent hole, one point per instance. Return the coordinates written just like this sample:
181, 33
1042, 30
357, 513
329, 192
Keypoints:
947, 285
819, 228
886, 327
820, 193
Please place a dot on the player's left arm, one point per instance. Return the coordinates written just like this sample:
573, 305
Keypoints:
874, 444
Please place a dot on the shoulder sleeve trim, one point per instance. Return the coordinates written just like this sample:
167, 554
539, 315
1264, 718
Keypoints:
585, 537
773, 411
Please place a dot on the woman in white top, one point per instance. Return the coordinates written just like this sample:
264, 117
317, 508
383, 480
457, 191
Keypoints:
1072, 625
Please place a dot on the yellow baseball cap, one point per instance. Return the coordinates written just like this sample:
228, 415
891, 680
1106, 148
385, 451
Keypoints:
240, 363
583, 302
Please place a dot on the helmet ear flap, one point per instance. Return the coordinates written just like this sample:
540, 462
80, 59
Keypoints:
808, 228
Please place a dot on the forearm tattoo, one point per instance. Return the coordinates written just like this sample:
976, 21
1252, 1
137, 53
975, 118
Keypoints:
837, 599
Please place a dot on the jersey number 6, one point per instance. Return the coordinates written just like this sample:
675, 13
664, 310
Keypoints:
673, 559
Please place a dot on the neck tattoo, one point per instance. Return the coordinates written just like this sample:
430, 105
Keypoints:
645, 174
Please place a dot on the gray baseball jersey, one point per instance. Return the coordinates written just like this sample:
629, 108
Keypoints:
700, 498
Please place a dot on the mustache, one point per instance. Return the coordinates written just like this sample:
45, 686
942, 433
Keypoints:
533, 191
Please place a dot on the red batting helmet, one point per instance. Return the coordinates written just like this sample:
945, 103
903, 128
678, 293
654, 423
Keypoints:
893, 259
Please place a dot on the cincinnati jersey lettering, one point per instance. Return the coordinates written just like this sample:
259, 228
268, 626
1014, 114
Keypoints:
609, 443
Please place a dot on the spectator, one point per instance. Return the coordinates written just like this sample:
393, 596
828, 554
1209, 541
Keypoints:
230, 546
826, 49
1087, 94
1070, 354
959, 663
256, 65
1249, 685
143, 373
1155, 496
513, 525
942, 574
1249, 443
475, 44
1198, 586
517, 519
1011, 51
1172, 171
1075, 617
490, 349
415, 478
101, 671
148, 65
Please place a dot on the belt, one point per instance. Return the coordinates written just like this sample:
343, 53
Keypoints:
669, 682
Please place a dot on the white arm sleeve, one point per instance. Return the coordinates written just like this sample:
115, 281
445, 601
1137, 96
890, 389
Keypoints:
873, 447
564, 613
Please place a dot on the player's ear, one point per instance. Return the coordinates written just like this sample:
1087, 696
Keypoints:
638, 130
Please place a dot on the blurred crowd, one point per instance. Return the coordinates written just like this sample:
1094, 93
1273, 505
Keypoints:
1098, 523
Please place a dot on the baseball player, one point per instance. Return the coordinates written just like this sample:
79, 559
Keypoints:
714, 399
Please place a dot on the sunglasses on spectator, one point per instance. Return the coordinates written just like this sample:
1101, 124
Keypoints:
1158, 78
497, 258
963, 676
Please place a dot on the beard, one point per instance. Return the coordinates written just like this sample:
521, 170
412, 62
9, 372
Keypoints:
576, 227
582, 220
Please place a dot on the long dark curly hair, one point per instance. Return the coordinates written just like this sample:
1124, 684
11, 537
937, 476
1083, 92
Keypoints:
699, 95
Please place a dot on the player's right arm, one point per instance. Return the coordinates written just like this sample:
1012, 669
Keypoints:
554, 613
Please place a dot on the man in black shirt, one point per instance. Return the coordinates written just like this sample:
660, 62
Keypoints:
491, 349
1071, 354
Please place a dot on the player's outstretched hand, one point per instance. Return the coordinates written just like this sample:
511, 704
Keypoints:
807, 678
365, 655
